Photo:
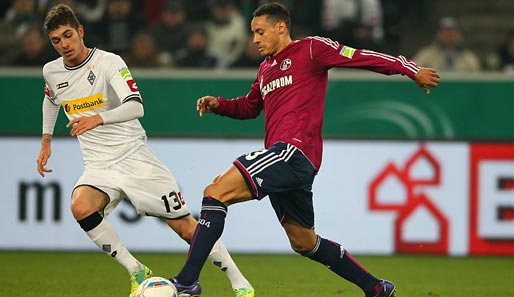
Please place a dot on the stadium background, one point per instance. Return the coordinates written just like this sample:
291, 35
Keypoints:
433, 173
419, 187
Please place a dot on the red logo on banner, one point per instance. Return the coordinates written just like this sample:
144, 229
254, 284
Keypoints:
492, 199
412, 201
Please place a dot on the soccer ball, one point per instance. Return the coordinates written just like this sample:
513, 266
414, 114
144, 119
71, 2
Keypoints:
156, 287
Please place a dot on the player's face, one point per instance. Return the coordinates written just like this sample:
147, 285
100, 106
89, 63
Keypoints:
69, 43
266, 36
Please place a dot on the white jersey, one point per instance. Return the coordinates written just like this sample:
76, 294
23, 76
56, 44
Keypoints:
101, 82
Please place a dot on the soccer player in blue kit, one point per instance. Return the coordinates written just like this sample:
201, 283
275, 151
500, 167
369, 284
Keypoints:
290, 88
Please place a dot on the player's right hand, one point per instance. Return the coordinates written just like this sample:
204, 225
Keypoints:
206, 104
42, 160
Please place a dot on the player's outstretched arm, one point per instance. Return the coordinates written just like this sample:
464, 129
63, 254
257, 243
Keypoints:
206, 104
44, 154
427, 77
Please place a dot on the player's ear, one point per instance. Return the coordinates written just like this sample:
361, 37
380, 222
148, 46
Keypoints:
81, 31
282, 28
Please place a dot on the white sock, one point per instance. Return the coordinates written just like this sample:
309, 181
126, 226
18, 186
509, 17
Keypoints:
106, 238
220, 257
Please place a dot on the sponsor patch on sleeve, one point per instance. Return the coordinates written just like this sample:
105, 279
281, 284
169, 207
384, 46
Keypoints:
127, 76
125, 73
347, 52
132, 85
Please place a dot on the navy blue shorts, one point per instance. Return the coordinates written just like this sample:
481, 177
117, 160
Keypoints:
283, 173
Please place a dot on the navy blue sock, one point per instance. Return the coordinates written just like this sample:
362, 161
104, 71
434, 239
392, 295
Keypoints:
337, 259
208, 231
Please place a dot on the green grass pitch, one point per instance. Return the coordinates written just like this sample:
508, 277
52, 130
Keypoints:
75, 274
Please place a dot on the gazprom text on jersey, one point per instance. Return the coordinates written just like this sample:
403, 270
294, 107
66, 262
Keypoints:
277, 83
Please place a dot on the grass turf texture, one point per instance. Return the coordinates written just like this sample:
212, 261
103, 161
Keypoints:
54, 274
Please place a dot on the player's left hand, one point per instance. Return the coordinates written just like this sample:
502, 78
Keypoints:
427, 77
83, 124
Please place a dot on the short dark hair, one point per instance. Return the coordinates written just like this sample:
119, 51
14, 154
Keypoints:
276, 12
60, 15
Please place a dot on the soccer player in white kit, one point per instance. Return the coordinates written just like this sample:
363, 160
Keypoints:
103, 104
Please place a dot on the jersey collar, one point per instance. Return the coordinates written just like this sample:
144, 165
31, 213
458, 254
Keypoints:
86, 60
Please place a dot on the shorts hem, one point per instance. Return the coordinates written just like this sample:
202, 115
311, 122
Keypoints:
248, 179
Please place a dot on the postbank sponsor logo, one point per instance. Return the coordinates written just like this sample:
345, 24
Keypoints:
84, 104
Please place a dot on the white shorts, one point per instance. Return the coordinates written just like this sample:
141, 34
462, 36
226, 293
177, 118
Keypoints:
144, 181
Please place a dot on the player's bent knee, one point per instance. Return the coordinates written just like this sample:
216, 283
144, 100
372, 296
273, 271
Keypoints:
228, 193
217, 192
86, 200
78, 210
301, 244
82, 207
210, 191
301, 249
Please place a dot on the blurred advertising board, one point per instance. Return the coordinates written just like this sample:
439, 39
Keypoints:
373, 197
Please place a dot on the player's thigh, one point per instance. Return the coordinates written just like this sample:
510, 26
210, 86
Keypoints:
229, 187
279, 168
151, 187
159, 198
93, 188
